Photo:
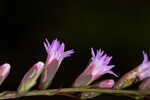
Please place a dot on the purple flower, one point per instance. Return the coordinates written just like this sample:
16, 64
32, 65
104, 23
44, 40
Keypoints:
97, 67
144, 68
56, 51
100, 63
55, 56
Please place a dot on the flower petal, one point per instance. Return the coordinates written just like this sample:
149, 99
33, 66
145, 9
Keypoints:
111, 72
145, 57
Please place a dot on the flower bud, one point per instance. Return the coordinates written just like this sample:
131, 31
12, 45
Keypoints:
102, 84
30, 78
127, 79
4, 71
139, 73
105, 83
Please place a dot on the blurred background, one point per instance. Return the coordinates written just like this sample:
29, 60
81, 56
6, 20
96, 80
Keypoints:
120, 28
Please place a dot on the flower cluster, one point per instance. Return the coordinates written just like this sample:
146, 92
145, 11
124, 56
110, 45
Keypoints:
98, 66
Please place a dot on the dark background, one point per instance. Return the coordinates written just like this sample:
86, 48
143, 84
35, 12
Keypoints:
121, 28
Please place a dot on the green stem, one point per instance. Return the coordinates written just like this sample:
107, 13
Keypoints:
50, 92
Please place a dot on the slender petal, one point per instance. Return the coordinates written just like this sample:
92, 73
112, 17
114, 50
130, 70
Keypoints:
145, 57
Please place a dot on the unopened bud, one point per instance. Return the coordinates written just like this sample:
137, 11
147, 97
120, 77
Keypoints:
139, 73
127, 79
4, 71
102, 84
30, 78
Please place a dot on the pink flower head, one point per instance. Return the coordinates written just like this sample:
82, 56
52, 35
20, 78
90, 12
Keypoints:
56, 54
100, 63
56, 51
144, 68
4, 71
97, 67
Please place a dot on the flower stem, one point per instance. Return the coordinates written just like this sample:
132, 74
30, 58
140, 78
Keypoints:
51, 92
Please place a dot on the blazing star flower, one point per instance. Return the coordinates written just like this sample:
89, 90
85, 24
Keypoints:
56, 51
144, 68
55, 56
4, 71
97, 67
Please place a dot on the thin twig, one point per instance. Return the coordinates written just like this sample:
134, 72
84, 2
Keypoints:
51, 92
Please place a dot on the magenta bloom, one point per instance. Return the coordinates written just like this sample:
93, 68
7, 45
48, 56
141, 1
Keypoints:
55, 56
100, 63
97, 67
56, 51
144, 68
